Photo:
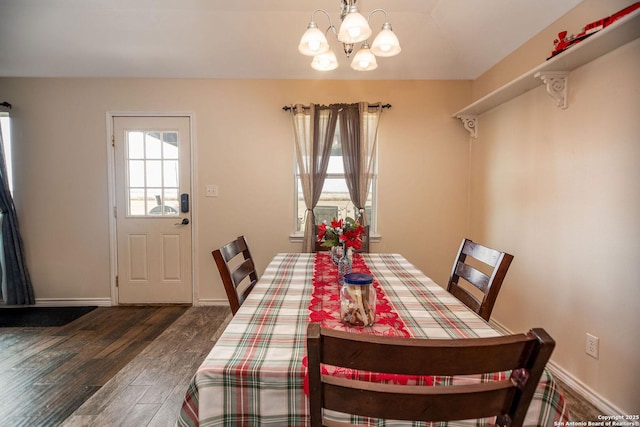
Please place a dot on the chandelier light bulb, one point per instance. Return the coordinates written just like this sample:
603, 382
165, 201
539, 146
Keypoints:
313, 41
325, 61
314, 45
364, 59
354, 27
386, 43
363, 64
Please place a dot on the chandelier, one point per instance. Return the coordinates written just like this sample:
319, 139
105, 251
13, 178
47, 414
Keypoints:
353, 29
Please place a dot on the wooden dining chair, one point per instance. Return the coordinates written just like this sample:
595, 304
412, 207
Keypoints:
524, 355
365, 242
485, 271
234, 269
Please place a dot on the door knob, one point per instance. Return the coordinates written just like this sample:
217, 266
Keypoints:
185, 221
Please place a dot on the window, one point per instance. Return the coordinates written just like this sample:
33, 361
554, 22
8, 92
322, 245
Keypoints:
152, 173
334, 201
5, 123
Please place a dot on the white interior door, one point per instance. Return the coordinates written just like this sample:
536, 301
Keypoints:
153, 218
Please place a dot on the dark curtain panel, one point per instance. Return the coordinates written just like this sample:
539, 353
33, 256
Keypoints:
351, 151
358, 133
16, 284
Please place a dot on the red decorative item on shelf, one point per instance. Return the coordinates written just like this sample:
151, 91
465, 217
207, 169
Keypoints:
563, 42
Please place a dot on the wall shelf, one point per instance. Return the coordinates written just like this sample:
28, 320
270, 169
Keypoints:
617, 34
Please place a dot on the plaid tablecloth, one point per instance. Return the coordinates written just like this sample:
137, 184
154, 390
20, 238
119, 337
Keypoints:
254, 374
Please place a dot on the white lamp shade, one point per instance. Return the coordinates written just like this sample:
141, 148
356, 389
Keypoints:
364, 60
386, 43
313, 41
354, 28
325, 61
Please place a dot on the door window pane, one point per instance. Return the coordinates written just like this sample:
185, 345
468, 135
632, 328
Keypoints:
154, 173
171, 204
136, 145
136, 173
153, 145
170, 173
170, 145
136, 201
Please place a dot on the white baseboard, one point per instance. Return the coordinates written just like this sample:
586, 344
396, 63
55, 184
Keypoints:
102, 302
204, 302
602, 404
73, 302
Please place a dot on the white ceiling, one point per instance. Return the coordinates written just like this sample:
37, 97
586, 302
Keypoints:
440, 39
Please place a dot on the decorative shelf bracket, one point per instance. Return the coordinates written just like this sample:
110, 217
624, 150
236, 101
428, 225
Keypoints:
470, 121
557, 83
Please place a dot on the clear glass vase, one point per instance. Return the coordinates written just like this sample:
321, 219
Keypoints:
344, 265
336, 253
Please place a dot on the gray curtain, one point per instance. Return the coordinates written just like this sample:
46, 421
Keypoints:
314, 129
358, 137
16, 284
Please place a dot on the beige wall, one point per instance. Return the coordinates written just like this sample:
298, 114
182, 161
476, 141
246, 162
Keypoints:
560, 189
243, 143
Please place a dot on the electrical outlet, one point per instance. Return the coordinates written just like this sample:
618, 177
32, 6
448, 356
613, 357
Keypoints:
593, 346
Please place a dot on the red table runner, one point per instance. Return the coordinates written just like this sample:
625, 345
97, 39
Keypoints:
324, 308
325, 300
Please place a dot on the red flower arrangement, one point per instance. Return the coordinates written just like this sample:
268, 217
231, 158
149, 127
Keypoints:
347, 232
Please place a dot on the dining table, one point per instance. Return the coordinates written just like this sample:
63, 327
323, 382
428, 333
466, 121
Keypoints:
256, 375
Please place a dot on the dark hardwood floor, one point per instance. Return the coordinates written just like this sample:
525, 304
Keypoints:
118, 366
46, 374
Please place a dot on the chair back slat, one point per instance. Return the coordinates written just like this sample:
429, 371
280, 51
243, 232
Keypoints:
243, 270
466, 298
422, 403
482, 253
476, 277
464, 356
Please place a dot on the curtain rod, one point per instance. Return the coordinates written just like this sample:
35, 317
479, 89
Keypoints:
287, 107
5, 104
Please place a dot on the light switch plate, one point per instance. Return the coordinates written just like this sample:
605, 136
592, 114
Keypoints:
212, 190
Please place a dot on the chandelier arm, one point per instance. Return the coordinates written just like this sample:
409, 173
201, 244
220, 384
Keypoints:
323, 11
386, 17
331, 26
